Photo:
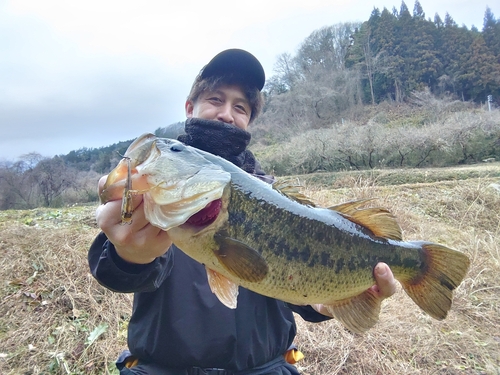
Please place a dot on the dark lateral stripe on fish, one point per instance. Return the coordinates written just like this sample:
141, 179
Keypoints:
247, 222
278, 247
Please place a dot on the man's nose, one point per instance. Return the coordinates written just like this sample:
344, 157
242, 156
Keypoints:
225, 114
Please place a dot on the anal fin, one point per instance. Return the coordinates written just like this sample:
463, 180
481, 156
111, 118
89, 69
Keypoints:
225, 290
357, 314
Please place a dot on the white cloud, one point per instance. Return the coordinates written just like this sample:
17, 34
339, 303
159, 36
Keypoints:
90, 73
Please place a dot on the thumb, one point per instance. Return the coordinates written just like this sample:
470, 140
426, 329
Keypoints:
386, 284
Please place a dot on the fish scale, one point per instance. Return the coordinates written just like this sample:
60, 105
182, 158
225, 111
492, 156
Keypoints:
337, 258
277, 243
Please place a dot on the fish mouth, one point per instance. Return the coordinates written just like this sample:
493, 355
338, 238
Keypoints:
207, 215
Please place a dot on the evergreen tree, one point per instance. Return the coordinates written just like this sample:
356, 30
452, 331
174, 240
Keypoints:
481, 72
386, 42
491, 33
422, 57
418, 12
454, 44
364, 55
404, 31
396, 53
448, 20
438, 22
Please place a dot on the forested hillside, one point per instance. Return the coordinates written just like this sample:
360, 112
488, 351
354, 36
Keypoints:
385, 59
398, 53
395, 53
399, 90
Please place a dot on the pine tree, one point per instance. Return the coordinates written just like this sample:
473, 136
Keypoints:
422, 57
384, 84
481, 71
448, 20
455, 50
418, 12
438, 22
491, 33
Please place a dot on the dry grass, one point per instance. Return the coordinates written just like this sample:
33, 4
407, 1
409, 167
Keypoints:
464, 215
55, 319
50, 304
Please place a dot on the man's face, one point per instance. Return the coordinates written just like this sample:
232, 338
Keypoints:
227, 103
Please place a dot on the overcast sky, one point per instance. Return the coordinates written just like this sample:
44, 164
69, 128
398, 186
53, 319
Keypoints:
91, 73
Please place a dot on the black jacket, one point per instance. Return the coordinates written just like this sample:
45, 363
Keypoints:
178, 322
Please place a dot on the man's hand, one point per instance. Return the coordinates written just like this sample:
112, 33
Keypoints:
385, 286
135, 242
385, 283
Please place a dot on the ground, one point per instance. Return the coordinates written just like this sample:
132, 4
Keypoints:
56, 319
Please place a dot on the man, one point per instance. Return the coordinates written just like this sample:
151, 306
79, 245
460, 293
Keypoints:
178, 326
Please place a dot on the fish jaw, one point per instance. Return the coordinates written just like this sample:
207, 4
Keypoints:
115, 183
176, 207
142, 149
182, 183
175, 180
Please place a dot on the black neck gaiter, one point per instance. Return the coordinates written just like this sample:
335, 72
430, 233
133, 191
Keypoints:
224, 140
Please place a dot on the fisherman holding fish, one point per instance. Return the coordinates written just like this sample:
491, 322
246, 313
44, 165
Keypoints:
178, 325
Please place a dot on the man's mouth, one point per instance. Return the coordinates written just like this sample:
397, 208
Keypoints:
207, 215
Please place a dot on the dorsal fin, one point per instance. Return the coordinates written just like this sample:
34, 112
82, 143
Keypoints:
349, 207
378, 220
290, 189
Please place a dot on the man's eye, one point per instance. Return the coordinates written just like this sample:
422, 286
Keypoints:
215, 99
242, 108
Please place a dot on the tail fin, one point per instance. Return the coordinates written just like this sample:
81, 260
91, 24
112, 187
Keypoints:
432, 290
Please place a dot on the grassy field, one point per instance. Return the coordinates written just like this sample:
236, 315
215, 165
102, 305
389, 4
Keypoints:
55, 318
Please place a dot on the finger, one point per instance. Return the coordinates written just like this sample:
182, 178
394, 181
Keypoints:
151, 234
386, 284
138, 219
100, 185
109, 214
130, 234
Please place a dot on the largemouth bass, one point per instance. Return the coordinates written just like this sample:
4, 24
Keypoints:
248, 233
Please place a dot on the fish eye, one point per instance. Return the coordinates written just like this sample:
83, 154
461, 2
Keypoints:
178, 147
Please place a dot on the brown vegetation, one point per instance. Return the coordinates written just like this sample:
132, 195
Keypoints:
428, 133
55, 318
463, 214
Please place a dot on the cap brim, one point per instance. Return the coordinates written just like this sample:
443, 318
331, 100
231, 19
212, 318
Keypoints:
237, 63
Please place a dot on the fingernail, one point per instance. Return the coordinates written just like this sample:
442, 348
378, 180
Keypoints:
381, 269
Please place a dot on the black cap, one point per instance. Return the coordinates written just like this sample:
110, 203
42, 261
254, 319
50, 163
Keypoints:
239, 64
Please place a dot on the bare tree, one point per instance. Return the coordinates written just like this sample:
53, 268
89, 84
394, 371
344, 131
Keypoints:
53, 178
285, 77
19, 189
326, 47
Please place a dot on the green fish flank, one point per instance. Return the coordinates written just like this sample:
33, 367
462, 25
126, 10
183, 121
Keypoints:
311, 261
270, 243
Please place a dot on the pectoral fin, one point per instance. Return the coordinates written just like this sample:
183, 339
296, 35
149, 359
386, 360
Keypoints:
225, 290
239, 259
358, 313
